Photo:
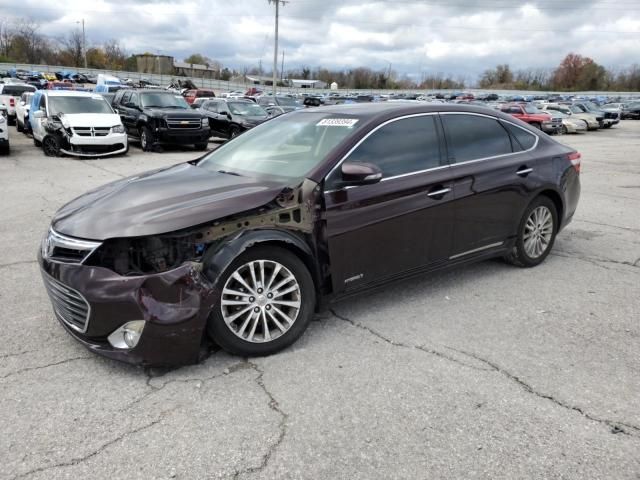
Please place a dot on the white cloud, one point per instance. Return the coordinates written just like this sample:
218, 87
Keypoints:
415, 36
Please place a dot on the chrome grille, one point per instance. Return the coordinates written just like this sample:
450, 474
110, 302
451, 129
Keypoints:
184, 123
62, 249
91, 131
68, 304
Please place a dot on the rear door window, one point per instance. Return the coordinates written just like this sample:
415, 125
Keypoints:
473, 137
402, 146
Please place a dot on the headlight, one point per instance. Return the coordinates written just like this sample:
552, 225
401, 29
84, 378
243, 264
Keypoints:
2, 120
205, 122
118, 129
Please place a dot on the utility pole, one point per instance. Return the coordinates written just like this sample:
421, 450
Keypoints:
282, 68
84, 44
275, 49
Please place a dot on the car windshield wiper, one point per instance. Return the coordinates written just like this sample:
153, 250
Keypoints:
229, 173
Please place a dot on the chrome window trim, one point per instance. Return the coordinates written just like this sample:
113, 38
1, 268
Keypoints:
441, 167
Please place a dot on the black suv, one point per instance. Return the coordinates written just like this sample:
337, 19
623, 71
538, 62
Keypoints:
228, 118
157, 117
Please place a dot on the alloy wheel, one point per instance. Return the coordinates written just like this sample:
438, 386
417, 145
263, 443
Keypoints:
143, 140
50, 147
260, 301
538, 232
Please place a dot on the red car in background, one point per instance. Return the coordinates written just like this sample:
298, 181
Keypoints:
534, 117
191, 95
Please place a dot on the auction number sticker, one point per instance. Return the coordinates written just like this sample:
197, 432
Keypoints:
337, 122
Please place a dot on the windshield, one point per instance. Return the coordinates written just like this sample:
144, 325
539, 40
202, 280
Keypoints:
531, 109
288, 146
247, 109
163, 100
71, 105
590, 105
575, 109
286, 101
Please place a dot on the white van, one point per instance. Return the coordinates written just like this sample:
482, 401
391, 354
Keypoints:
76, 123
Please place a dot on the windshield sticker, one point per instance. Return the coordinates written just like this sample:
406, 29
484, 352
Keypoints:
337, 122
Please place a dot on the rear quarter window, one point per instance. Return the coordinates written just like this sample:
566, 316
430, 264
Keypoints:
523, 139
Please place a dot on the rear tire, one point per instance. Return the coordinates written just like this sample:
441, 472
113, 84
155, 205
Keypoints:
536, 234
37, 143
234, 132
5, 149
239, 325
19, 126
536, 126
201, 146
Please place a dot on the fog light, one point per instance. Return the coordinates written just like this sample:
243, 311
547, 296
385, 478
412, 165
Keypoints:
128, 335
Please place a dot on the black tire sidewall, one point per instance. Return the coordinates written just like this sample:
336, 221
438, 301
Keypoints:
522, 256
46, 140
223, 336
147, 145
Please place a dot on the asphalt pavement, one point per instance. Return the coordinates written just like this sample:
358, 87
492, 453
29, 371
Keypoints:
487, 371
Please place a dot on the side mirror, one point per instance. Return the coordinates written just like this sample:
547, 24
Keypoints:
39, 114
226, 114
357, 173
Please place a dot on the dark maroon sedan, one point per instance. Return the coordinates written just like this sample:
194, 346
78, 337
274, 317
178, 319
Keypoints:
244, 244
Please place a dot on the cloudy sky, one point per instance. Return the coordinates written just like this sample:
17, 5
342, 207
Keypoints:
460, 37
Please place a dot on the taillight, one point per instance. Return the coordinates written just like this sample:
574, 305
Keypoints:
12, 102
574, 158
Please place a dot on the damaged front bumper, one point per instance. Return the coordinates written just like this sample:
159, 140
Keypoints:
81, 146
93, 302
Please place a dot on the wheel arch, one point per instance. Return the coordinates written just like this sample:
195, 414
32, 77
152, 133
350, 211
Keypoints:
556, 198
218, 257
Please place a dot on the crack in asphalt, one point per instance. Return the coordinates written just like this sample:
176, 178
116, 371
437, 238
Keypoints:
76, 461
422, 348
616, 427
630, 229
40, 367
597, 261
86, 162
155, 389
17, 354
284, 417
21, 262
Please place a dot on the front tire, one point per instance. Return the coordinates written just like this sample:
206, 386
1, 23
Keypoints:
51, 146
536, 234
266, 301
201, 146
146, 138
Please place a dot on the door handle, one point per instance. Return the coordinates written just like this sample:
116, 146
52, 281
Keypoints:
524, 171
439, 193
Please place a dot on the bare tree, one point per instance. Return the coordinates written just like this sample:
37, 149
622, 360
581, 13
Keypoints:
32, 42
72, 48
7, 35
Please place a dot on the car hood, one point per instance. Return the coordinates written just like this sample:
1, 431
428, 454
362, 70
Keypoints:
91, 119
161, 201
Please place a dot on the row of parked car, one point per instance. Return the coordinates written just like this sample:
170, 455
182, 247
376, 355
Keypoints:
92, 124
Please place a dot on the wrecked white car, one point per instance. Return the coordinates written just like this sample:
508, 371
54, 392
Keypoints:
76, 123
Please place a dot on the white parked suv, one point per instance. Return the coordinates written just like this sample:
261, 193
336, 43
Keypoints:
22, 112
4, 130
10, 96
75, 123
